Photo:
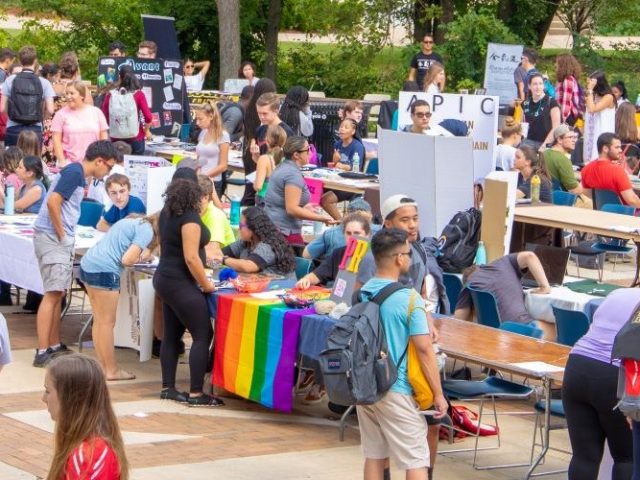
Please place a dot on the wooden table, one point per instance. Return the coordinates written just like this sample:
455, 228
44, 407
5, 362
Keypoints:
499, 349
583, 220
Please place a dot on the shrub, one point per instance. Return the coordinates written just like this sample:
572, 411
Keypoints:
465, 48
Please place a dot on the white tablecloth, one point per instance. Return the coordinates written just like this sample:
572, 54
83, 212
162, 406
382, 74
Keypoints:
539, 306
18, 263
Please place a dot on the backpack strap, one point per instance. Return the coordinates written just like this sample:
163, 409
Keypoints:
386, 292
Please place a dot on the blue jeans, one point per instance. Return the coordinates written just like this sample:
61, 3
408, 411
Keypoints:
101, 280
13, 132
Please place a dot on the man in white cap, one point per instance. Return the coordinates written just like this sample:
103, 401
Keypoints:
558, 162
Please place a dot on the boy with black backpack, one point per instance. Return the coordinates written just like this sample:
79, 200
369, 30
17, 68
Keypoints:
392, 426
25, 97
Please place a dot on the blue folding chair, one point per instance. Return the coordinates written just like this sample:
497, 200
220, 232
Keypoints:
90, 213
303, 266
602, 197
570, 325
372, 167
556, 410
453, 286
486, 307
522, 329
560, 197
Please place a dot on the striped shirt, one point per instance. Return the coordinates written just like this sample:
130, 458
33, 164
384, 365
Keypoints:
93, 459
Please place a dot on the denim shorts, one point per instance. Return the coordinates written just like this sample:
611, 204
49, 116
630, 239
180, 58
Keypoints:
101, 280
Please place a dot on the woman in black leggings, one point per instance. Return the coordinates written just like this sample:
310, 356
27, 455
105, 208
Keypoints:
180, 281
589, 393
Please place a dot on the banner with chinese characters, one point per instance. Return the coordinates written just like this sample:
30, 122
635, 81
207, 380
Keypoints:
502, 60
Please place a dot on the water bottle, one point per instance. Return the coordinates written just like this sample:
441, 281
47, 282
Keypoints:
356, 162
234, 216
481, 254
535, 189
9, 200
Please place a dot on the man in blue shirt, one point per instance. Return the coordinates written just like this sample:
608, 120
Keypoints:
54, 241
393, 426
118, 188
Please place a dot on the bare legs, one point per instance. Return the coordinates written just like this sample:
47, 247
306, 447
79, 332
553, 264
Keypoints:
329, 202
48, 320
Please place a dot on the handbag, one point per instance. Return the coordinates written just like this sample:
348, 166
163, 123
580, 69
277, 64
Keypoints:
313, 154
422, 393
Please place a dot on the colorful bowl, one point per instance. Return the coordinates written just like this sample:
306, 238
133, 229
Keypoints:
251, 284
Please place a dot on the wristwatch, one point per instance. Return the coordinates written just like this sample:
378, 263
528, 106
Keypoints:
224, 259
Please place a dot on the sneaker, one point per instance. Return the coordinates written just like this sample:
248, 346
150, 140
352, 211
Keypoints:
205, 400
173, 394
61, 349
41, 359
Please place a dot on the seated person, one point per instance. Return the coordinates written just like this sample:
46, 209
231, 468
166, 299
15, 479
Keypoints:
421, 119
557, 159
214, 219
530, 162
606, 173
31, 194
332, 238
97, 190
261, 248
502, 278
354, 225
118, 188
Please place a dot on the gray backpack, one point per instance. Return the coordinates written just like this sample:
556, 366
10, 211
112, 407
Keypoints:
356, 365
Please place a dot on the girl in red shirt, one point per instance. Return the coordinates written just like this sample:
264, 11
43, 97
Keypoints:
88, 443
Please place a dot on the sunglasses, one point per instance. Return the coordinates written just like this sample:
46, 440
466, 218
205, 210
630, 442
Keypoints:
303, 151
423, 114
188, 66
428, 42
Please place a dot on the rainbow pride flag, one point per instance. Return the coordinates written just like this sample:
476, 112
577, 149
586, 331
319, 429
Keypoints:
256, 342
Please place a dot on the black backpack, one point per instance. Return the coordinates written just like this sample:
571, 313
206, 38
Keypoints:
458, 242
25, 101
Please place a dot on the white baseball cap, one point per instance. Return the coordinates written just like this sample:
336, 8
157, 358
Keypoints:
394, 202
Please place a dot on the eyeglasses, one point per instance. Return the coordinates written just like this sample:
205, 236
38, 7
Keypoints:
423, 114
303, 151
400, 254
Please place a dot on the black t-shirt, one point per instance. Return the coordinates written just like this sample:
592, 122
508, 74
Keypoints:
422, 62
328, 270
538, 116
172, 262
261, 135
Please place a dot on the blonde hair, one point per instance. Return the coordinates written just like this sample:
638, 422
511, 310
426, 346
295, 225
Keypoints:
511, 127
216, 128
79, 87
626, 127
85, 411
432, 73
276, 138
29, 143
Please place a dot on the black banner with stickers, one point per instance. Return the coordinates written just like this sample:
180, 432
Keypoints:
162, 84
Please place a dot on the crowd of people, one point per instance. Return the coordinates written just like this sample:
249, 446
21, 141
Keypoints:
62, 148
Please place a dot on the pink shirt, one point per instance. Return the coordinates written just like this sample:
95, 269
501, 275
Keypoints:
12, 179
79, 129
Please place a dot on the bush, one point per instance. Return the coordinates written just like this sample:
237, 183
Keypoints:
465, 48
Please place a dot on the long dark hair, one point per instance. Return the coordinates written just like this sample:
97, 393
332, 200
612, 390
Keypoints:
265, 231
182, 196
536, 159
293, 103
128, 79
251, 120
33, 164
602, 87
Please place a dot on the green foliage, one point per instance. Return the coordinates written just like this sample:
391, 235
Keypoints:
618, 18
465, 48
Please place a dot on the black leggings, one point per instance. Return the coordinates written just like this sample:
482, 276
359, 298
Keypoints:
588, 396
184, 307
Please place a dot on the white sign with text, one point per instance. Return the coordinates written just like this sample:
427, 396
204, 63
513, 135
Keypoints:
502, 60
478, 112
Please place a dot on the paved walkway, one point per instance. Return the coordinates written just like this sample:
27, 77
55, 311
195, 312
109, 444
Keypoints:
239, 441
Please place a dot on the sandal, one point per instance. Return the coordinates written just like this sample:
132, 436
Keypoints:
307, 381
121, 375
315, 395
205, 400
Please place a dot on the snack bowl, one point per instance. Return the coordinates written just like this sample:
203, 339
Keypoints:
251, 284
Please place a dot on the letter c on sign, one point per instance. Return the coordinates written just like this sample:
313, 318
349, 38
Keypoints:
485, 108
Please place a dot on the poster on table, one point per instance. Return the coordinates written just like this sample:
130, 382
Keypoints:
134, 316
345, 283
162, 83
478, 112
497, 215
502, 60
149, 177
